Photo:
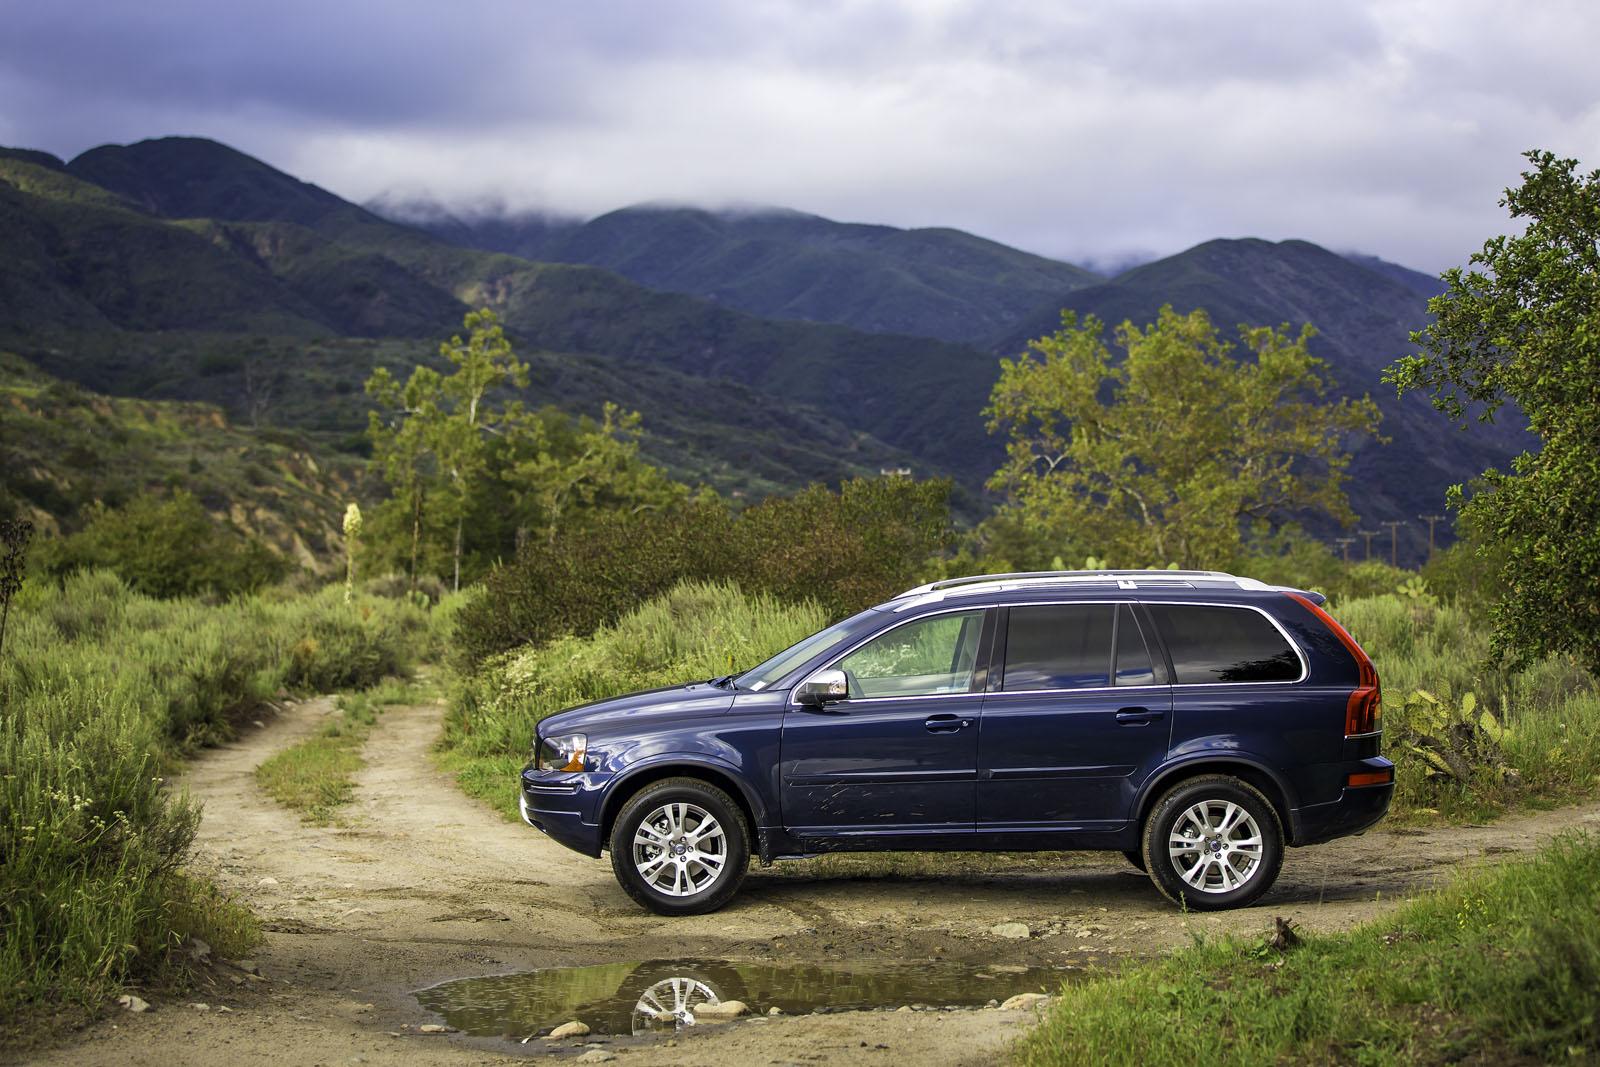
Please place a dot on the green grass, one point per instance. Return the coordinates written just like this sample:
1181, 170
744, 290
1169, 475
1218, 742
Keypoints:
698, 630
102, 691
316, 777
1502, 964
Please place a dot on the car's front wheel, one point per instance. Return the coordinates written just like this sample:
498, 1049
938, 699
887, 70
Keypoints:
1213, 842
680, 847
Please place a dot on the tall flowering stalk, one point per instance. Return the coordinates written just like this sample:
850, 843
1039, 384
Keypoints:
352, 535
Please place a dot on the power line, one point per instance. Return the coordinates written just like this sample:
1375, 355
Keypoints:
1369, 535
1344, 544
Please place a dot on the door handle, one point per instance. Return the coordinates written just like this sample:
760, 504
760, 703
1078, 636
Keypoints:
946, 724
1139, 716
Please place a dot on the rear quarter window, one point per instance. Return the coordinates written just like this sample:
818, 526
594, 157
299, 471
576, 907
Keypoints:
1213, 643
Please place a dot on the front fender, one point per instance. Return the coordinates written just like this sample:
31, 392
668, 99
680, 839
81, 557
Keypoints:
719, 769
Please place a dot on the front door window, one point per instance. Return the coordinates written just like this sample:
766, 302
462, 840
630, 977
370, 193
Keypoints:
928, 657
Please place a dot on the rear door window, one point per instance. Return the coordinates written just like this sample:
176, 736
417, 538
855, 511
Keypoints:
1058, 646
1214, 643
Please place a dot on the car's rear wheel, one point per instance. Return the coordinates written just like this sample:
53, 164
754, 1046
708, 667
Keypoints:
1213, 842
680, 847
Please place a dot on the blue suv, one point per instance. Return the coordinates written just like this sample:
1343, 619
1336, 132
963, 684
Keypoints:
1194, 721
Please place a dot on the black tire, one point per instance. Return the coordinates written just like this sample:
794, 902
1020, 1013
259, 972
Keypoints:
1173, 806
1134, 857
720, 806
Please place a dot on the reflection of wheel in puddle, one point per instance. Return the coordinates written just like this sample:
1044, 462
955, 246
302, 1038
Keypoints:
671, 1003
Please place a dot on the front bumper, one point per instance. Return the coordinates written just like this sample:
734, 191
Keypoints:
1356, 809
564, 807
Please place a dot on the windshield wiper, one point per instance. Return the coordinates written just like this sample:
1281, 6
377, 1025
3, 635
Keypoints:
726, 681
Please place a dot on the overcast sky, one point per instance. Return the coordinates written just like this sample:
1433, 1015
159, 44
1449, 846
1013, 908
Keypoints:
1088, 131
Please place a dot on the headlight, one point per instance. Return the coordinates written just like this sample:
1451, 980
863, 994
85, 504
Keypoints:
561, 753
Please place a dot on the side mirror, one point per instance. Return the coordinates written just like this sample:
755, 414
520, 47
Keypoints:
822, 688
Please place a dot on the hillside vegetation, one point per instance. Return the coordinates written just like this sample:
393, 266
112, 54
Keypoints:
65, 449
939, 283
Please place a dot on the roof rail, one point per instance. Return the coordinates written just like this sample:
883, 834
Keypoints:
1064, 577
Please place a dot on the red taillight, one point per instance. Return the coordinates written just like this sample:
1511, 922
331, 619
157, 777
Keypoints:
1363, 713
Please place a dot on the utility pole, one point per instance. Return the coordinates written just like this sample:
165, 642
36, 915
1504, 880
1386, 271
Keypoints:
1430, 520
1394, 541
1369, 535
1344, 544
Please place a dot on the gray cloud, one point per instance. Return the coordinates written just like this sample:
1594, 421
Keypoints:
1084, 130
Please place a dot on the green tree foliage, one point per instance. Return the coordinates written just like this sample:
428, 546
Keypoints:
1170, 454
474, 475
166, 547
842, 550
1522, 324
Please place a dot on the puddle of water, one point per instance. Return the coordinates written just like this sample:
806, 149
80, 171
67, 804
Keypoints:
663, 995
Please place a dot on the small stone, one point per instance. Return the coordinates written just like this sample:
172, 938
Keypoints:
433, 1028
903, 1007
727, 1009
992, 1003
1024, 1001
774, 1011
199, 950
249, 967
1011, 931
133, 1003
267, 881
198, 1006
597, 1055
258, 724
223, 1007
571, 1029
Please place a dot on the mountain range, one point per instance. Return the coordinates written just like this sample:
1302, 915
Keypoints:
765, 348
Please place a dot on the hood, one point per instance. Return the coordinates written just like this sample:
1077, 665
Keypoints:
653, 705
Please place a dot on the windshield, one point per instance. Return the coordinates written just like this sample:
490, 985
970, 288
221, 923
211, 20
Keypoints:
793, 656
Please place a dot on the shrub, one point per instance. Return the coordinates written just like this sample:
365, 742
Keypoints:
1444, 702
695, 631
843, 550
166, 547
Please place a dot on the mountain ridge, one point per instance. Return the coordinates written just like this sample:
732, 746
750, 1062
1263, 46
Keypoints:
104, 288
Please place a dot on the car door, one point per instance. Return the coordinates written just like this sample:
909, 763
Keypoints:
1078, 714
898, 757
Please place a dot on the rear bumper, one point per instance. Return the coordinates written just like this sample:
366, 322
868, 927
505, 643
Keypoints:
1356, 809
562, 808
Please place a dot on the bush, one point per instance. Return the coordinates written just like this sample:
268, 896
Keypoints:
100, 687
843, 550
697, 630
166, 547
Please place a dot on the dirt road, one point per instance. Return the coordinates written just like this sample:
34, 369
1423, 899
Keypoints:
424, 885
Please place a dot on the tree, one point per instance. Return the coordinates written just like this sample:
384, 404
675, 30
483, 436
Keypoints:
475, 475
402, 448
446, 418
1521, 324
1170, 454
590, 466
